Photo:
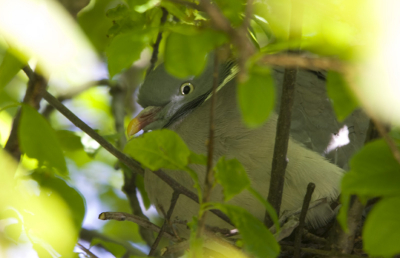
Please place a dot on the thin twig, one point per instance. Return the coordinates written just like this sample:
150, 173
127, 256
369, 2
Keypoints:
75, 91
154, 55
87, 251
209, 179
123, 216
279, 161
304, 209
89, 235
174, 199
36, 86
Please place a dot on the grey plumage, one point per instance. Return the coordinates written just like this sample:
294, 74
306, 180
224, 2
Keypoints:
253, 148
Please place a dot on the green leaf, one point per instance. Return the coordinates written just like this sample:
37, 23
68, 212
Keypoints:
38, 140
381, 232
95, 24
232, 176
71, 196
374, 172
267, 205
185, 55
10, 66
232, 10
256, 97
195, 158
124, 50
344, 102
342, 216
159, 149
69, 140
140, 186
258, 240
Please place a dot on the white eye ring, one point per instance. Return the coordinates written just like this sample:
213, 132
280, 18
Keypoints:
186, 88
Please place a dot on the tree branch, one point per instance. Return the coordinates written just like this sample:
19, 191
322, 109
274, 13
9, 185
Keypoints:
87, 251
209, 178
89, 235
279, 161
123, 216
154, 55
130, 163
304, 209
174, 199
36, 86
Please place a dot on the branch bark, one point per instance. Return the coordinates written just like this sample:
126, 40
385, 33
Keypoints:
36, 87
279, 161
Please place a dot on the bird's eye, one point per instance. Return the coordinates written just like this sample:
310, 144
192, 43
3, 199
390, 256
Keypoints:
186, 88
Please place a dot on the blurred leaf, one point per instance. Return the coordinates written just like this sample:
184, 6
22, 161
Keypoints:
69, 140
195, 158
381, 232
232, 176
267, 205
118, 12
95, 24
146, 6
258, 240
10, 66
185, 55
344, 102
256, 97
232, 10
11, 223
175, 9
116, 249
374, 172
38, 140
143, 193
71, 196
159, 149
124, 50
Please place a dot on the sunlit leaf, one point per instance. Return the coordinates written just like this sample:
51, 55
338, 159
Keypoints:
9, 67
256, 97
344, 102
185, 55
232, 176
382, 228
159, 149
59, 46
195, 158
70, 195
374, 172
38, 140
258, 240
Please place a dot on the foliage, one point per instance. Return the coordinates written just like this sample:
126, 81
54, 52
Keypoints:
43, 200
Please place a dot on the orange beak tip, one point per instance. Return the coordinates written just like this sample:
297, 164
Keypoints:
133, 127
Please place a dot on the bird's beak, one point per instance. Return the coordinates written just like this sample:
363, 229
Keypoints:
145, 117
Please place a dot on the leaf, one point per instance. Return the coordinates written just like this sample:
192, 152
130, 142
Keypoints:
185, 55
256, 97
143, 193
10, 66
267, 205
159, 149
338, 90
124, 50
258, 240
381, 232
232, 176
195, 158
38, 140
69, 140
374, 172
342, 216
71, 196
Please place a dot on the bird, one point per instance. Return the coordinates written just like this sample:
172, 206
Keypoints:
183, 105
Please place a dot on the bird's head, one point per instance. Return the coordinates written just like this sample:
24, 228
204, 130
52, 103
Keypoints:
166, 98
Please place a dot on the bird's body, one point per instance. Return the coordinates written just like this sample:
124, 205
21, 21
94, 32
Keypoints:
252, 147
